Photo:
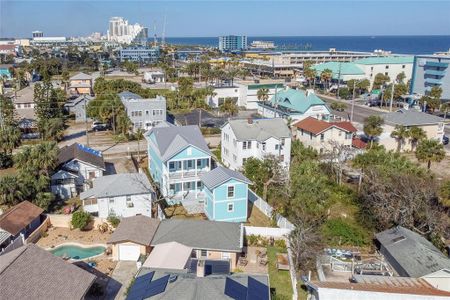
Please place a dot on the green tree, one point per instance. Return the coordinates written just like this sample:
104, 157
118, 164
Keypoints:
430, 151
364, 85
380, 80
344, 93
444, 194
7, 111
10, 138
80, 219
44, 199
373, 127
416, 135
401, 77
326, 76
49, 103
263, 94
229, 106
10, 190
400, 134
139, 135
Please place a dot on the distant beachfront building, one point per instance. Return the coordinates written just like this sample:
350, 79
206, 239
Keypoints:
232, 43
430, 71
140, 54
37, 33
121, 32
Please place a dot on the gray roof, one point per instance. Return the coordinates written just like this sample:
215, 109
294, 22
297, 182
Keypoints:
30, 272
4, 235
172, 140
78, 100
82, 153
221, 175
81, 76
129, 95
260, 130
200, 234
416, 255
190, 287
137, 229
125, 184
411, 118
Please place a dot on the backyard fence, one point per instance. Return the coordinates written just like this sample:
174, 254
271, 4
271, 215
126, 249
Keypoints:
267, 231
64, 220
266, 209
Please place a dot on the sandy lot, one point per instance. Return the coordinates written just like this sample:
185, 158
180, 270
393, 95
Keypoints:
58, 235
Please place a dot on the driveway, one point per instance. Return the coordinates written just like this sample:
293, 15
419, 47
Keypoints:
120, 279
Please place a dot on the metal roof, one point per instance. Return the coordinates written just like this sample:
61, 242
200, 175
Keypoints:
415, 255
260, 129
220, 175
295, 100
81, 76
385, 60
200, 234
411, 118
124, 184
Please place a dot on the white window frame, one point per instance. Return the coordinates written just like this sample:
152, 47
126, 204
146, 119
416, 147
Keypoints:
228, 192
228, 207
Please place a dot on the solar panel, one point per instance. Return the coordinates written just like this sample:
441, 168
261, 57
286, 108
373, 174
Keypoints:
156, 287
235, 290
257, 290
139, 287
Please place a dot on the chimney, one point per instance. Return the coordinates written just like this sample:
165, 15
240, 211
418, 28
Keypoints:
201, 268
250, 120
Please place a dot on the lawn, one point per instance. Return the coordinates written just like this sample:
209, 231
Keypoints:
280, 281
257, 218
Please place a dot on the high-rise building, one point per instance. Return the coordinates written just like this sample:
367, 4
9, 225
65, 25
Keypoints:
37, 34
232, 43
121, 32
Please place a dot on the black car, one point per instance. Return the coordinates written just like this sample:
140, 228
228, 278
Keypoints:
445, 140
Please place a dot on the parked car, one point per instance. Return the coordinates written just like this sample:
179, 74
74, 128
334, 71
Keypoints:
99, 126
445, 140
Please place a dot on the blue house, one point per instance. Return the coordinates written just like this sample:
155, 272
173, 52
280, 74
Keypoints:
178, 155
226, 194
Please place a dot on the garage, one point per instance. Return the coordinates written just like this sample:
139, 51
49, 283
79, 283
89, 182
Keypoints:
129, 252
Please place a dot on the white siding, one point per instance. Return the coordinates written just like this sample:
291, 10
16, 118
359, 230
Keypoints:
119, 207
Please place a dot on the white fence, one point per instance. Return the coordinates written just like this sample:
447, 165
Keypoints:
266, 209
267, 231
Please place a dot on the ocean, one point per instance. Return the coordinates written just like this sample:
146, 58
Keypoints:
396, 44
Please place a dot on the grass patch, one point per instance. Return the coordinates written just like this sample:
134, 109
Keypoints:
179, 212
257, 218
280, 281
341, 231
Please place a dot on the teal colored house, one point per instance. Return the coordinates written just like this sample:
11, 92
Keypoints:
178, 155
294, 104
226, 195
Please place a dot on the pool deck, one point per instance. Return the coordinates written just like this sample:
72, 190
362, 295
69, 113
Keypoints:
81, 246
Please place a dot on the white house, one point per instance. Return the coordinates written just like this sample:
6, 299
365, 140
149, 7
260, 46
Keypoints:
320, 134
122, 195
154, 77
242, 139
78, 165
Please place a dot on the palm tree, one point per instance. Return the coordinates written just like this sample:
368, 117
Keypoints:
46, 155
373, 127
228, 106
400, 133
139, 136
309, 74
263, 94
430, 150
9, 139
326, 76
416, 134
10, 192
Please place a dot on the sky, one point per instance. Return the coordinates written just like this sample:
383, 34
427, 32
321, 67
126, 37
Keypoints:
18, 18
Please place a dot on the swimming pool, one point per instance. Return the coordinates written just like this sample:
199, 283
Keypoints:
77, 252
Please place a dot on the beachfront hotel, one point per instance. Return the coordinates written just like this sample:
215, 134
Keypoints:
232, 43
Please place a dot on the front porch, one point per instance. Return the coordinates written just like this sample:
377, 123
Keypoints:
192, 201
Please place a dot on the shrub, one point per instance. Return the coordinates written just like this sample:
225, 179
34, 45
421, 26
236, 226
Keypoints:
280, 244
5, 161
344, 232
80, 219
113, 220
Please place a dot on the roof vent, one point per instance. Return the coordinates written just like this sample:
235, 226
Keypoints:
173, 278
398, 239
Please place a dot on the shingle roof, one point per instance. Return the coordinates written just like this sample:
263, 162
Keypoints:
83, 153
411, 118
416, 255
81, 76
172, 140
221, 175
296, 100
260, 130
123, 184
129, 95
316, 126
30, 272
200, 234
390, 289
190, 287
385, 60
19, 217
137, 229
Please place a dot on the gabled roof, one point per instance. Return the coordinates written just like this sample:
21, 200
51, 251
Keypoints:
31, 272
129, 95
77, 100
83, 153
81, 76
415, 255
19, 217
171, 255
124, 184
200, 234
137, 229
411, 118
385, 60
220, 175
296, 100
172, 140
260, 130
316, 126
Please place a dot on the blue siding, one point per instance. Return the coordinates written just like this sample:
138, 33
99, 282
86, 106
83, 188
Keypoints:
195, 153
209, 203
240, 202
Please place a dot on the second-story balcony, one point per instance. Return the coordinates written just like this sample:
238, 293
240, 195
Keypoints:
187, 169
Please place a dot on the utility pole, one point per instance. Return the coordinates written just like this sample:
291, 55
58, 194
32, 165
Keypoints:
86, 123
392, 96
339, 80
353, 101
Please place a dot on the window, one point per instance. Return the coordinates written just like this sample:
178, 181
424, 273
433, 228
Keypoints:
111, 200
203, 253
387, 67
230, 191
276, 147
129, 202
234, 158
302, 132
230, 207
249, 144
199, 163
264, 146
244, 145
348, 135
146, 112
190, 164
322, 137
91, 174
199, 185
403, 66
171, 165
310, 136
